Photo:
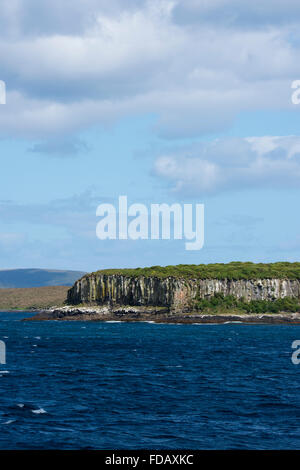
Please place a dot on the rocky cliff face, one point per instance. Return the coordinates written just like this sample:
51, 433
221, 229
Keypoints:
174, 293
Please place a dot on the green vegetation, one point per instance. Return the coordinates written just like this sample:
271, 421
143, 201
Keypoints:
220, 304
32, 298
235, 270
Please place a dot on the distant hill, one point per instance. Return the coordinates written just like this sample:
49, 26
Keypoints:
13, 278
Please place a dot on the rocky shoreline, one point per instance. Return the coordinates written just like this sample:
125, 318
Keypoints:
157, 315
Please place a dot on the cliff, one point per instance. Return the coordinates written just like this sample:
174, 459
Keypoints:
180, 292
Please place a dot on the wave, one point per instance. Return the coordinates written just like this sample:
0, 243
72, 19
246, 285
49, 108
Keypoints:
39, 411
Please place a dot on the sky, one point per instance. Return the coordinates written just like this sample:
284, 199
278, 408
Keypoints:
164, 101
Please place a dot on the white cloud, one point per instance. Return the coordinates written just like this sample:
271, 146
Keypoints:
231, 164
135, 57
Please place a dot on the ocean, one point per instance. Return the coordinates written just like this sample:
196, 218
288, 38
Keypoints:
90, 385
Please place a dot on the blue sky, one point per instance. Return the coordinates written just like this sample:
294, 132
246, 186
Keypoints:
163, 101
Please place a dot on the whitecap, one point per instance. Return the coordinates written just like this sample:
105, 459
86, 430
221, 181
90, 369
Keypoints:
9, 421
228, 322
39, 411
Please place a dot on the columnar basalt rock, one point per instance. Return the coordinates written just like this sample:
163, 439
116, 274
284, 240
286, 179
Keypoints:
174, 293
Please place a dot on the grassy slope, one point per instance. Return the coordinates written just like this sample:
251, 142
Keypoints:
234, 270
31, 298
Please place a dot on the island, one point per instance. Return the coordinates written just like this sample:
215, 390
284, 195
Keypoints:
205, 293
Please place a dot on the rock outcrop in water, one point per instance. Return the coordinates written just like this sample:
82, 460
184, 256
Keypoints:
177, 294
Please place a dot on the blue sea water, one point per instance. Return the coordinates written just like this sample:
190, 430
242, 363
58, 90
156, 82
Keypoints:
79, 385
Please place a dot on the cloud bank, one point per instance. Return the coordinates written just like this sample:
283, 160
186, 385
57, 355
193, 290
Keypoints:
232, 164
195, 65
